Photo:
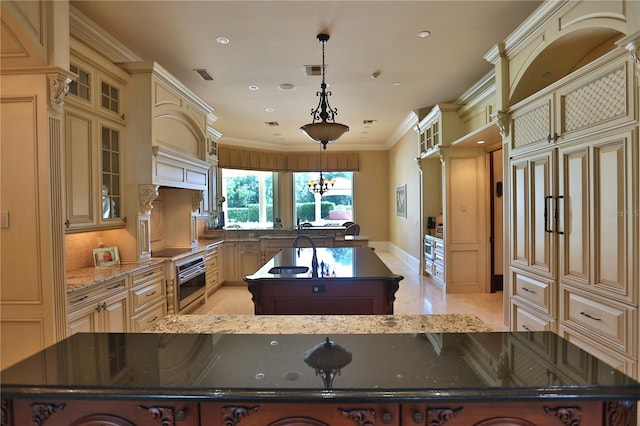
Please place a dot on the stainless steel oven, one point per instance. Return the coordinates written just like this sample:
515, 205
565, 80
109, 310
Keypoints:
190, 280
428, 248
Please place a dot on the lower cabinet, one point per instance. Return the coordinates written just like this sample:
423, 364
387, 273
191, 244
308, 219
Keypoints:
241, 258
107, 413
220, 414
212, 261
104, 308
188, 413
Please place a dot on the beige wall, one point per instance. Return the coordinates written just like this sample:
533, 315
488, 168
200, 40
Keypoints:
404, 233
373, 195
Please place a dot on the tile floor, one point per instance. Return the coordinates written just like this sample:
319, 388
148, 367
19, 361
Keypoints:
417, 295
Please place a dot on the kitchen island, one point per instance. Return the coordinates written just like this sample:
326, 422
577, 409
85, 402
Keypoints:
517, 378
324, 281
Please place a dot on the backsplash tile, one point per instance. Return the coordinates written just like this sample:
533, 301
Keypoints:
79, 249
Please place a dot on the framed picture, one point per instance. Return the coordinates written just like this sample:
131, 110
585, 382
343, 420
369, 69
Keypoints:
106, 256
401, 200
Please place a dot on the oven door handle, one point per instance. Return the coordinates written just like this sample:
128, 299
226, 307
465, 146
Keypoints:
188, 275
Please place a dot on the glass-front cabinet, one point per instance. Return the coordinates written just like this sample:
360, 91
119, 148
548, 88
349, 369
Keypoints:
94, 137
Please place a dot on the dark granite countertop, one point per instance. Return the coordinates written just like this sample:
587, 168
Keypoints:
336, 263
271, 367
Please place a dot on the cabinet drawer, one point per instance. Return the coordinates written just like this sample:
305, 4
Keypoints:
148, 318
614, 359
147, 275
146, 295
536, 291
81, 298
526, 320
248, 246
606, 321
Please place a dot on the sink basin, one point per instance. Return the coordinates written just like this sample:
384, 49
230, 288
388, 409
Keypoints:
289, 270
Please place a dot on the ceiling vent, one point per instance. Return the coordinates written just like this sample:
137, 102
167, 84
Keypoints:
365, 122
204, 74
313, 70
272, 123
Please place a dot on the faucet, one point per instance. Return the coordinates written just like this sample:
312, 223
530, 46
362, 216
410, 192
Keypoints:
314, 259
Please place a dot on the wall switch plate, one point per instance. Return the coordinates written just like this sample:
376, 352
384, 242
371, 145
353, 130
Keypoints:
4, 219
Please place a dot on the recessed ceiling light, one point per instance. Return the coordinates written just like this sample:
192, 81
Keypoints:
396, 83
222, 40
480, 142
268, 109
286, 87
424, 34
253, 88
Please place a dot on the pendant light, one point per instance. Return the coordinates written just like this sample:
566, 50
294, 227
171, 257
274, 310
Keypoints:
322, 185
323, 128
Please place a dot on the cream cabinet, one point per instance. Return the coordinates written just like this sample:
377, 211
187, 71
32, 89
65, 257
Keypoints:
94, 128
212, 262
241, 258
439, 127
573, 234
100, 308
148, 297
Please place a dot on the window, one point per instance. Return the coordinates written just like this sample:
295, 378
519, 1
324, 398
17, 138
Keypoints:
248, 198
334, 208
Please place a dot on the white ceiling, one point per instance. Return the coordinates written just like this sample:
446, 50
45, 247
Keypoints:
272, 41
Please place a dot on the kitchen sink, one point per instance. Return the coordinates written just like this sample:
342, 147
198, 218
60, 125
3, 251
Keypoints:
289, 270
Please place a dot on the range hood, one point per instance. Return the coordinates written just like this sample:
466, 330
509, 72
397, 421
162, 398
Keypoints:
178, 170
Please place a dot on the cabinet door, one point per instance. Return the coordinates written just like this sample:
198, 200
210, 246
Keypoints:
596, 247
532, 220
230, 264
114, 313
84, 320
79, 168
110, 177
248, 262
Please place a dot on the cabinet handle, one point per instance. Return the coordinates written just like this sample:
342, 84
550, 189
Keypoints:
556, 214
113, 286
67, 223
153, 319
528, 291
102, 307
148, 274
590, 316
553, 138
525, 327
387, 418
78, 300
547, 225
418, 417
151, 294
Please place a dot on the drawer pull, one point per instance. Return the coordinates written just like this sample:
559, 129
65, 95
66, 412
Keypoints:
153, 319
590, 317
114, 286
528, 291
417, 417
78, 300
151, 294
148, 274
525, 327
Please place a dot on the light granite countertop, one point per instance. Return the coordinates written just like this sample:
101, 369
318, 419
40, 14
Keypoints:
320, 324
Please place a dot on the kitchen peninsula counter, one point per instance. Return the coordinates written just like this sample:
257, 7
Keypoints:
266, 379
332, 281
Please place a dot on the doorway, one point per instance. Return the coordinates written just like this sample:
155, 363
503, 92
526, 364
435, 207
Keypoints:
496, 218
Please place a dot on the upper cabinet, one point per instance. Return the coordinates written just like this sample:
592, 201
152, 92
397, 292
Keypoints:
440, 127
94, 129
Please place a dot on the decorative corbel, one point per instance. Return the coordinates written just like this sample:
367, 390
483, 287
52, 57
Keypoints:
58, 89
632, 44
502, 121
196, 199
147, 193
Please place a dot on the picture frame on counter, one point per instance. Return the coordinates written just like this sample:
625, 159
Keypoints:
401, 200
106, 256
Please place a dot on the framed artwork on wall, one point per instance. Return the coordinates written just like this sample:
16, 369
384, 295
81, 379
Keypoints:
401, 200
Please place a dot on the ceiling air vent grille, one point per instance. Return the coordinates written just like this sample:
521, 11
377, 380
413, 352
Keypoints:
313, 70
204, 74
272, 123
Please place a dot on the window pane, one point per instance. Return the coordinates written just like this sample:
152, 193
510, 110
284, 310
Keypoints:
248, 198
334, 207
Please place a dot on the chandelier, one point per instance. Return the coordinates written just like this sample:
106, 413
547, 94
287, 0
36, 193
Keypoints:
323, 128
322, 185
